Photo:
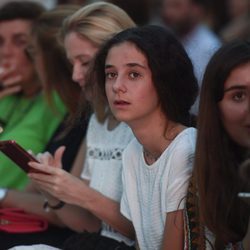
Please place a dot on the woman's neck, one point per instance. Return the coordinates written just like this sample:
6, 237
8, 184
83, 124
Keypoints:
156, 137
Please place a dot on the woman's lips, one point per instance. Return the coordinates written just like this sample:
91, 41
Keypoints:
120, 103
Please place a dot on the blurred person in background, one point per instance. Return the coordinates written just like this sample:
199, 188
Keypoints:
25, 115
185, 18
54, 71
238, 26
48, 4
216, 15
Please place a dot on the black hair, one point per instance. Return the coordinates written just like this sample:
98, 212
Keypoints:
20, 10
172, 70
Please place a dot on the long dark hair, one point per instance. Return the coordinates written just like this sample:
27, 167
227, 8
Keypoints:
172, 70
217, 156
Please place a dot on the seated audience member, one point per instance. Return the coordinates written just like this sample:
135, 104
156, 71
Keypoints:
185, 18
238, 27
25, 115
93, 200
55, 73
150, 85
219, 216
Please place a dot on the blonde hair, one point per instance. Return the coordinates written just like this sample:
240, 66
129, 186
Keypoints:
97, 22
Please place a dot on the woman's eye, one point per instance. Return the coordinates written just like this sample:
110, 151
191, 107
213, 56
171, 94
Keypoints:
134, 75
239, 96
110, 75
21, 42
85, 64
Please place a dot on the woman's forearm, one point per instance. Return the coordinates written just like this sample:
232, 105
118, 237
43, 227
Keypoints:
108, 211
30, 202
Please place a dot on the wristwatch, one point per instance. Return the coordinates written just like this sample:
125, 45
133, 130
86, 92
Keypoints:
3, 192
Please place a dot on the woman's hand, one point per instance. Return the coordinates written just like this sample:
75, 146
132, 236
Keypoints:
9, 82
54, 180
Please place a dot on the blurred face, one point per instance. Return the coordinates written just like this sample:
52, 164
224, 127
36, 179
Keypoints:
235, 105
178, 15
129, 87
80, 51
14, 38
237, 8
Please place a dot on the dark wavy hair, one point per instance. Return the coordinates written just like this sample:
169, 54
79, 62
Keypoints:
172, 70
26, 10
217, 156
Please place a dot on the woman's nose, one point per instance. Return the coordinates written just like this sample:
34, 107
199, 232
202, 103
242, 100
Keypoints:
77, 74
119, 85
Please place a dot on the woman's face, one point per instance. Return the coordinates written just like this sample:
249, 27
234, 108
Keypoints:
235, 105
80, 51
129, 87
14, 39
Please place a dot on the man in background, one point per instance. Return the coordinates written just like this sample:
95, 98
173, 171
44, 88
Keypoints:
185, 18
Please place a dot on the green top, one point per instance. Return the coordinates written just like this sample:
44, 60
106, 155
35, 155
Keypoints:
31, 123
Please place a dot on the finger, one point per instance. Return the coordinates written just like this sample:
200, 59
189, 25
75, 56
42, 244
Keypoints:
7, 71
10, 91
30, 152
46, 158
12, 81
45, 178
39, 156
58, 156
44, 169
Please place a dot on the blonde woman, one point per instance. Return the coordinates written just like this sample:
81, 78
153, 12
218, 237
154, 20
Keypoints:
92, 202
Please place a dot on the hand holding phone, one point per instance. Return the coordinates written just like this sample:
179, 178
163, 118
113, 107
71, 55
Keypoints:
18, 155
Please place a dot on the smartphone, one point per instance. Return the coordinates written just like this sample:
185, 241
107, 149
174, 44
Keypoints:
18, 155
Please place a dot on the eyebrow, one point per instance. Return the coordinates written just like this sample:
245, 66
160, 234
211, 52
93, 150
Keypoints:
130, 65
235, 87
18, 35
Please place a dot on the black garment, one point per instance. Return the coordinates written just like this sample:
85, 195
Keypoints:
93, 241
72, 140
53, 236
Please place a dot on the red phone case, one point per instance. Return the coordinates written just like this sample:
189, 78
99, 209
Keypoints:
17, 154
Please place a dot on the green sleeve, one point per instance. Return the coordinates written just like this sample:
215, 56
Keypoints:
32, 130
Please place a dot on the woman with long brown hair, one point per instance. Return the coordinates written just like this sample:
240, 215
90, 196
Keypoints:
222, 143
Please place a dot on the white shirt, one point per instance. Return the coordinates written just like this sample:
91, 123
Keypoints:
200, 45
149, 192
103, 164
